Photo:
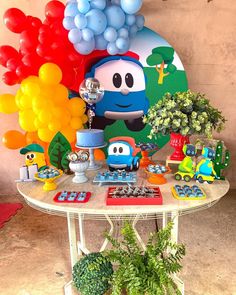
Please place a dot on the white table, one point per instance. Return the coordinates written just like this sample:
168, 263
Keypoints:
96, 208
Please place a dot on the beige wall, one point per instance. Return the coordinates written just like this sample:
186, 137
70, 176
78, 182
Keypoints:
202, 33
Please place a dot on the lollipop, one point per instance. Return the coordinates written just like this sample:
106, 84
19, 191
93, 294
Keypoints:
91, 92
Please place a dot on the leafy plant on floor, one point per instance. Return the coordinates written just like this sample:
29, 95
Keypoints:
186, 113
146, 272
92, 274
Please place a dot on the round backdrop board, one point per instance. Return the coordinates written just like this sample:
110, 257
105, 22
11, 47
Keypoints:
133, 83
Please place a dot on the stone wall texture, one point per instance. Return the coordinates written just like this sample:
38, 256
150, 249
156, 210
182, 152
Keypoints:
203, 34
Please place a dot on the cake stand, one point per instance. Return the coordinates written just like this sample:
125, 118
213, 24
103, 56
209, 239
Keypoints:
93, 165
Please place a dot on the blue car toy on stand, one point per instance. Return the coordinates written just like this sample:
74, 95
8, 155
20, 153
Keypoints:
122, 154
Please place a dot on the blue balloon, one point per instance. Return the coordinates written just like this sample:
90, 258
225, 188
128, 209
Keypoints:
124, 33
80, 21
68, 23
112, 49
97, 21
75, 36
122, 44
71, 9
133, 31
110, 34
87, 34
131, 6
115, 16
99, 4
100, 42
140, 20
85, 47
83, 6
130, 19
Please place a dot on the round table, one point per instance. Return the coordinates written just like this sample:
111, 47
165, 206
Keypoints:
97, 209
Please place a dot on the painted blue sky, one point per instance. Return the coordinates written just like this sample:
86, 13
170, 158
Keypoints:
145, 41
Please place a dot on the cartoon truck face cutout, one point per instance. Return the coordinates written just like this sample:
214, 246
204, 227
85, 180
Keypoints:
124, 82
122, 154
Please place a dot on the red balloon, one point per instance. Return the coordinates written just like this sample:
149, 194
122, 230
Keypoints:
10, 78
32, 60
13, 63
15, 20
29, 39
58, 29
6, 53
54, 9
23, 72
44, 51
34, 22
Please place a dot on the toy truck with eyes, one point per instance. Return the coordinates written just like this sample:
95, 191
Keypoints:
122, 154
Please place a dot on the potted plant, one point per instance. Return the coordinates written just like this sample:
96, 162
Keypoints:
146, 272
181, 115
92, 274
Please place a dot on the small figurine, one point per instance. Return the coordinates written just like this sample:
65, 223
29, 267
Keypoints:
34, 154
205, 169
122, 153
186, 167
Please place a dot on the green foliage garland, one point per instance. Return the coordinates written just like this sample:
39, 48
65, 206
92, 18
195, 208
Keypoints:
145, 272
186, 113
91, 275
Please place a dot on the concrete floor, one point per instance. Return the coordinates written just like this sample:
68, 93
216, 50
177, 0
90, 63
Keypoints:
34, 256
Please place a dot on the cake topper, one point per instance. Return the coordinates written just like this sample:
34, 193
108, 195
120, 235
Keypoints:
91, 92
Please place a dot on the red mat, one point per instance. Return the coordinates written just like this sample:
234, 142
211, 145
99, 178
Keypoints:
7, 210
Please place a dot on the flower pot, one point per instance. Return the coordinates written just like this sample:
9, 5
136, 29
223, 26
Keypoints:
177, 141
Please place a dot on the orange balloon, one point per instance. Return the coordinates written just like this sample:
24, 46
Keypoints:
14, 139
99, 155
32, 137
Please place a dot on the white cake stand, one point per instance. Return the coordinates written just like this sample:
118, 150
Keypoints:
93, 165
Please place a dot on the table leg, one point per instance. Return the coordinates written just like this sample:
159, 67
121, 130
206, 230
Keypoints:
104, 245
136, 219
72, 239
164, 219
175, 230
81, 244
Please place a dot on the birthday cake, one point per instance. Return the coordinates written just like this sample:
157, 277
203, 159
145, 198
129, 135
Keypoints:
90, 138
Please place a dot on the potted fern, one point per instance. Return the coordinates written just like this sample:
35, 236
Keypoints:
148, 272
182, 115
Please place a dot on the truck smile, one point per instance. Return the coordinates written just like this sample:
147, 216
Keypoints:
123, 106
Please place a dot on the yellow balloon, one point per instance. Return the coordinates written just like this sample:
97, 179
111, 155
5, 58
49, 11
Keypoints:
60, 96
39, 102
76, 123
38, 124
50, 73
48, 91
18, 96
58, 112
55, 125
65, 119
8, 104
30, 88
69, 133
25, 102
26, 120
45, 116
84, 119
45, 134
77, 107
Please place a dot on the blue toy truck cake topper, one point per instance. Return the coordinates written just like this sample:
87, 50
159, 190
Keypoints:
122, 153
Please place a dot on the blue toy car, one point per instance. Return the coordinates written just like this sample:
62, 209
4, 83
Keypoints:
122, 153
